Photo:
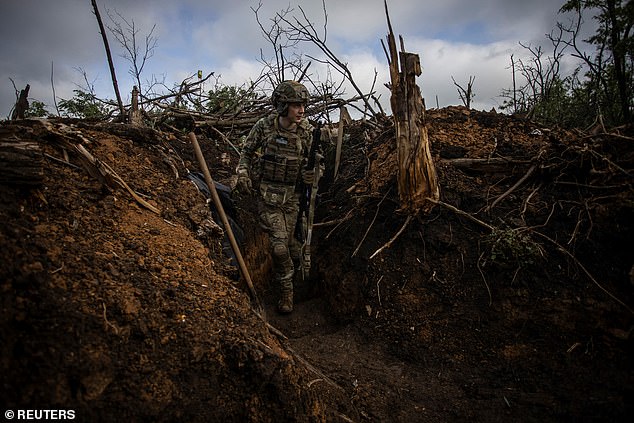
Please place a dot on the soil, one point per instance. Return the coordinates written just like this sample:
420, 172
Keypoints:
511, 300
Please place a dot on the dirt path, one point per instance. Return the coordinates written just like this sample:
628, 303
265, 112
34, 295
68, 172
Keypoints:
363, 380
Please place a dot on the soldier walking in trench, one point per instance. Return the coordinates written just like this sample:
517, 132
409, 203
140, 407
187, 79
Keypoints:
272, 164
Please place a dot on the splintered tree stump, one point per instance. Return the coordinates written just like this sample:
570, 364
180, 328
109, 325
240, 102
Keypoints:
22, 105
417, 179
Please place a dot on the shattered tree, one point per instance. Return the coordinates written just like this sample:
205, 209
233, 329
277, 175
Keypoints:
417, 180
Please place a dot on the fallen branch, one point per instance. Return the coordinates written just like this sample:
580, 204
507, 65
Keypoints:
378, 207
336, 222
284, 340
513, 188
62, 161
21, 162
108, 176
490, 165
225, 139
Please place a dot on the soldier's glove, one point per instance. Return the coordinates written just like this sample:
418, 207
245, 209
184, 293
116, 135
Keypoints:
243, 184
308, 176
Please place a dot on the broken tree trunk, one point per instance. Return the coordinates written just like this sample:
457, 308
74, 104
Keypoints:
344, 117
417, 180
102, 30
134, 116
22, 105
21, 162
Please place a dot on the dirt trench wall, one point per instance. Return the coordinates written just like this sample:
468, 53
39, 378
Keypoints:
505, 313
122, 314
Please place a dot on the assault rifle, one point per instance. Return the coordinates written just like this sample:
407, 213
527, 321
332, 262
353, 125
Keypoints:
307, 202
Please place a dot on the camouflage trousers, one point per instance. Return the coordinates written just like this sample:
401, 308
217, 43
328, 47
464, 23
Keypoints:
278, 216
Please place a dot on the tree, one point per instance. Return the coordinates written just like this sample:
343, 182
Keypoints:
278, 36
541, 89
83, 105
227, 99
288, 30
37, 109
600, 88
611, 68
466, 94
126, 34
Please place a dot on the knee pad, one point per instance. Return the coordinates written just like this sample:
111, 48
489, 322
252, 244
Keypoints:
280, 251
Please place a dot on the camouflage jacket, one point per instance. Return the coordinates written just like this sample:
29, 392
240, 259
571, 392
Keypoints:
273, 155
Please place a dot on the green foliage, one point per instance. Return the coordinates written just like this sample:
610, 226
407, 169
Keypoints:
84, 106
611, 68
227, 99
549, 106
37, 109
513, 247
601, 86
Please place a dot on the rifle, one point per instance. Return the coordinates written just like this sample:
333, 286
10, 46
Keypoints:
307, 202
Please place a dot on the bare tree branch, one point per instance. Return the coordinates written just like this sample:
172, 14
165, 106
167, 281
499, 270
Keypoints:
110, 63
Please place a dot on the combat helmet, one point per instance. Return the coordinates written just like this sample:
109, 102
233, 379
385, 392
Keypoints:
288, 92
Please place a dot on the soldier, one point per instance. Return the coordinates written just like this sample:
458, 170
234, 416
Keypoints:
272, 164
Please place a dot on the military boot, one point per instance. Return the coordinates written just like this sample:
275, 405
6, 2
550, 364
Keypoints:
285, 305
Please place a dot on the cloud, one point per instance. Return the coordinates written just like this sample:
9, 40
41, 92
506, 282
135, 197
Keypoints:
458, 38
441, 61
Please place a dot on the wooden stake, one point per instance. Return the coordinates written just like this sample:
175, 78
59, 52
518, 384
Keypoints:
342, 111
225, 222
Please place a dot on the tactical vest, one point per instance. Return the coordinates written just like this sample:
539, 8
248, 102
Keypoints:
281, 158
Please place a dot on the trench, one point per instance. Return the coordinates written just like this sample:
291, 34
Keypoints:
353, 370
422, 333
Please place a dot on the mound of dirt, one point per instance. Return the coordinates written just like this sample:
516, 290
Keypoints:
510, 301
123, 314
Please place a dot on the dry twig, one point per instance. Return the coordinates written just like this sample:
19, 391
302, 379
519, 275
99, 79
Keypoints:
582, 267
107, 175
462, 213
484, 279
513, 188
378, 207
391, 241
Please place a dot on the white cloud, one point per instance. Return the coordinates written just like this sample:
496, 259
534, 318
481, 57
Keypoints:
441, 61
239, 71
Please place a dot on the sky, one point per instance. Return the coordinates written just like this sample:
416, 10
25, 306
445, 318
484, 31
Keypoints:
56, 44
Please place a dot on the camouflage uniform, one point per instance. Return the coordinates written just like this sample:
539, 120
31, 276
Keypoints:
273, 158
